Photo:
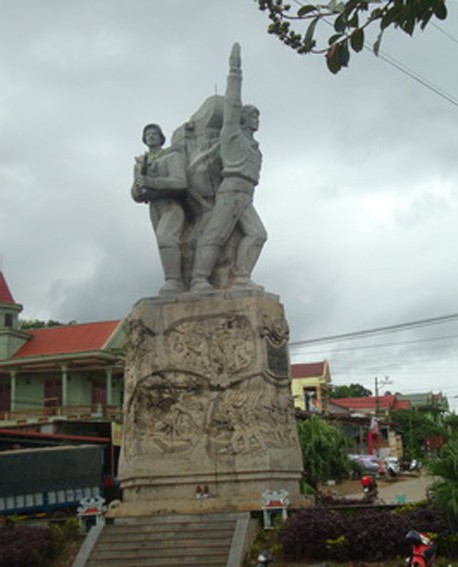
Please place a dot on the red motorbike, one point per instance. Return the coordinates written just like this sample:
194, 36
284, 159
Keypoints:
423, 551
370, 490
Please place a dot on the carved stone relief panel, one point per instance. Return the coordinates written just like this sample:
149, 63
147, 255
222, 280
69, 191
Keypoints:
219, 346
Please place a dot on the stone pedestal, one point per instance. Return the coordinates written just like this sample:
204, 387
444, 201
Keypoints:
208, 418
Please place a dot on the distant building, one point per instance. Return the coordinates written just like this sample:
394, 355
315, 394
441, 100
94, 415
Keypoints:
433, 405
311, 384
58, 373
380, 406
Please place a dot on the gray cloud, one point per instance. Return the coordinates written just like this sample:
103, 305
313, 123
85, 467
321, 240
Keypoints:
358, 189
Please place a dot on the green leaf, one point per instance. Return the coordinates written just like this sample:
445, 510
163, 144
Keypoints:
334, 38
440, 10
340, 6
376, 14
344, 54
357, 40
332, 59
308, 42
353, 22
378, 41
425, 19
389, 18
408, 25
304, 10
340, 23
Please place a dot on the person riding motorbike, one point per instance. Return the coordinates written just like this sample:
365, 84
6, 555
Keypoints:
370, 489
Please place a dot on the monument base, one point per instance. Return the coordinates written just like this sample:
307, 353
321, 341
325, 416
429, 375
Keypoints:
209, 419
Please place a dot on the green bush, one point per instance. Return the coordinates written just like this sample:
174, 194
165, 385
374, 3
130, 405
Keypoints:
24, 546
63, 533
35, 546
318, 534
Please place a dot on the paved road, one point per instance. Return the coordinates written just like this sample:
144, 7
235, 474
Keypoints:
402, 491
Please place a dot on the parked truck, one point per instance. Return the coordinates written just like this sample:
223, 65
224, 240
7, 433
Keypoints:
49, 481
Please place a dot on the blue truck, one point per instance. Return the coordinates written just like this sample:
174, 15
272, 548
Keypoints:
49, 481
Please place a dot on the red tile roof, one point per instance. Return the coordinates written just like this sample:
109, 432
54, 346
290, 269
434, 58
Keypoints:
67, 339
310, 370
5, 293
370, 402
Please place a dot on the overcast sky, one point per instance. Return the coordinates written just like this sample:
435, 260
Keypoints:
358, 189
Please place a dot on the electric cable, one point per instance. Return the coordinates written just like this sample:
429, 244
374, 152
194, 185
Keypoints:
379, 330
406, 70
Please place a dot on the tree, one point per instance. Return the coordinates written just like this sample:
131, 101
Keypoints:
324, 451
26, 324
351, 391
451, 422
444, 491
349, 20
415, 427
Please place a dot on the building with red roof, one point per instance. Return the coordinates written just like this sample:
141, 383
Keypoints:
310, 384
5, 294
57, 372
370, 405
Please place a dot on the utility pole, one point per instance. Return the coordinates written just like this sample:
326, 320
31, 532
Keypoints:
386, 382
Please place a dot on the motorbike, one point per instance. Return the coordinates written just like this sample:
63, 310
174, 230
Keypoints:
370, 489
264, 558
423, 551
414, 465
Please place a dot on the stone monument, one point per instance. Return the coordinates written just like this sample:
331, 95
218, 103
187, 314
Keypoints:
208, 418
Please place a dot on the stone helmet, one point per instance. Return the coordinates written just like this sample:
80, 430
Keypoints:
156, 127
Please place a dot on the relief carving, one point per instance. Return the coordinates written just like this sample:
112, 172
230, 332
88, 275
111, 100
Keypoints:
219, 346
166, 412
206, 395
276, 331
251, 417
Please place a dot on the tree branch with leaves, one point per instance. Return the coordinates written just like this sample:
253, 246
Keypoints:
349, 20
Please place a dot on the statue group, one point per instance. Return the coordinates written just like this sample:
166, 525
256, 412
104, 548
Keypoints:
200, 193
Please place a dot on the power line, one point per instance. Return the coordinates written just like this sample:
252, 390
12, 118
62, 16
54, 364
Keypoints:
444, 32
379, 330
406, 70
415, 76
399, 343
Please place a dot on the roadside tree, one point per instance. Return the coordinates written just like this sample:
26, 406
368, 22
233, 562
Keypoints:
350, 391
324, 451
444, 491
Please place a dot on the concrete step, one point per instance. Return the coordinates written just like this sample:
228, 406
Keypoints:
163, 529
164, 562
165, 539
154, 549
197, 541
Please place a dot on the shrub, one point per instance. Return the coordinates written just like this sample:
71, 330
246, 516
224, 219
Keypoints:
269, 540
362, 535
305, 534
24, 546
337, 548
62, 534
448, 545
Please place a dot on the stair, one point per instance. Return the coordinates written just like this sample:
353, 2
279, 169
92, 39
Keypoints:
207, 540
